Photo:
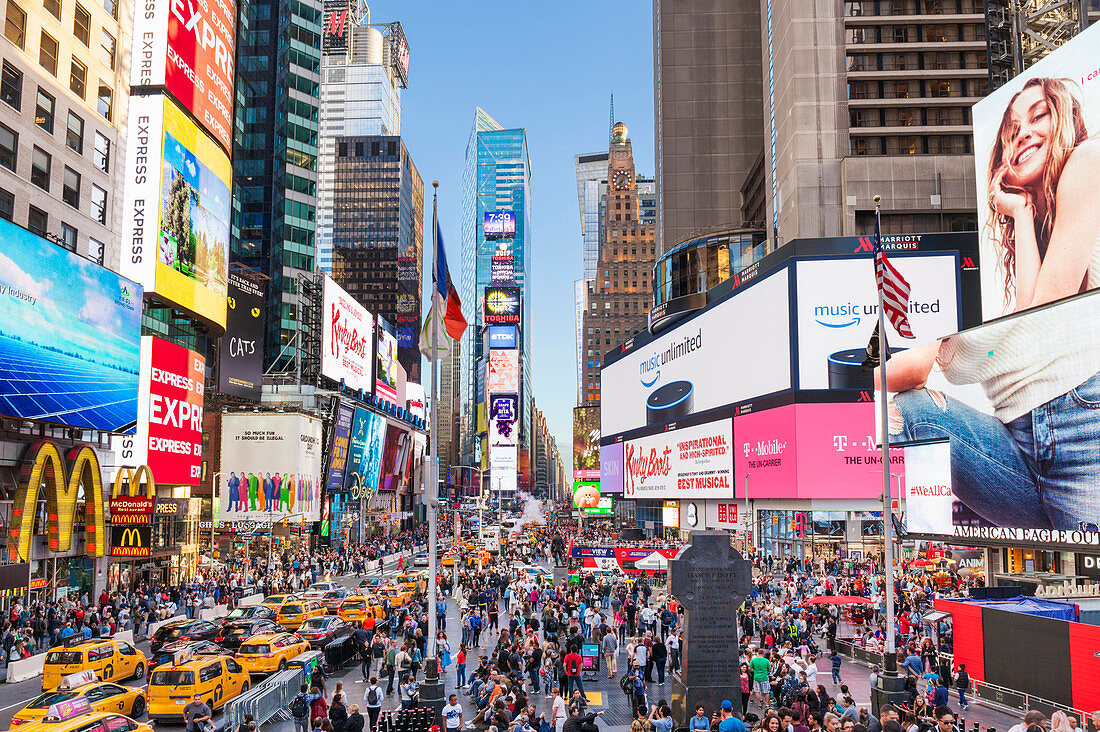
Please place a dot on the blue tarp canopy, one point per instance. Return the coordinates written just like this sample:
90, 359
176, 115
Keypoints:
1029, 606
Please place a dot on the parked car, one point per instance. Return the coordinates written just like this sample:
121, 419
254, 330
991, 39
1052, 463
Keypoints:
322, 630
235, 632
178, 630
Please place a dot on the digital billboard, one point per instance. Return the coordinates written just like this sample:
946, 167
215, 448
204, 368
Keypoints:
365, 446
690, 462
336, 20
396, 454
503, 376
502, 336
169, 429
347, 339
188, 48
271, 467
71, 335
502, 269
502, 305
1034, 156
241, 349
176, 209
385, 362
503, 419
611, 468
676, 374
503, 467
586, 443
341, 442
499, 224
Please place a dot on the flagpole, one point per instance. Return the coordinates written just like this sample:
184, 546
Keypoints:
433, 489
890, 656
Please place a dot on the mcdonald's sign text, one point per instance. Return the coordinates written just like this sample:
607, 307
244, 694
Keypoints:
130, 541
126, 506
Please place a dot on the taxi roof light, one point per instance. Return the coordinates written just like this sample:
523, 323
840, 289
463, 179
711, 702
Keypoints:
80, 678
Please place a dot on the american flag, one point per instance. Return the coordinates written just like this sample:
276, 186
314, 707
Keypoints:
893, 288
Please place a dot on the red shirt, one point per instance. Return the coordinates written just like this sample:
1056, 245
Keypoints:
573, 662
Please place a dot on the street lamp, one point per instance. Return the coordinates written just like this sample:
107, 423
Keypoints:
213, 513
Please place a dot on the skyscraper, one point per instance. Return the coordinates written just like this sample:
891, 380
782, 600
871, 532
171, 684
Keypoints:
496, 195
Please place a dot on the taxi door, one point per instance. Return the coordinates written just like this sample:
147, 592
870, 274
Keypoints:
211, 683
108, 698
237, 678
129, 658
104, 661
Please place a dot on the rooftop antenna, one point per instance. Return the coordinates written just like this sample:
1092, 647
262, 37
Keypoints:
611, 116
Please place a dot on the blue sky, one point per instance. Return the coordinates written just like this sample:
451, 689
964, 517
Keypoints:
549, 68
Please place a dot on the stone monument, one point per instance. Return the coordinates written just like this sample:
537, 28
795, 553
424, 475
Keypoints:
710, 579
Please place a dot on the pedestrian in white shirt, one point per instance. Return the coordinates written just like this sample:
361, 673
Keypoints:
557, 710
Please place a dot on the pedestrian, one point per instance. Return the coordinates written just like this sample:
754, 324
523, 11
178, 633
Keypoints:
962, 683
373, 697
197, 715
355, 721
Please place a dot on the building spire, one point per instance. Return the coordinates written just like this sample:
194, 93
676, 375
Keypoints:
611, 117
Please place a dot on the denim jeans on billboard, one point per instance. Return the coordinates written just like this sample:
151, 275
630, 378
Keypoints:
1039, 471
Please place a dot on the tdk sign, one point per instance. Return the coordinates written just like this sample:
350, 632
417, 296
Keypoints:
502, 336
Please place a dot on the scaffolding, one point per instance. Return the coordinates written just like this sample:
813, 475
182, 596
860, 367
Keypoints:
1021, 32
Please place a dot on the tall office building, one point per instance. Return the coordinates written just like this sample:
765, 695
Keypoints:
275, 158
496, 181
377, 234
64, 85
618, 296
447, 413
708, 91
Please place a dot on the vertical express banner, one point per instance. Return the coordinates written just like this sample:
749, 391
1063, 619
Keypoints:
240, 356
169, 430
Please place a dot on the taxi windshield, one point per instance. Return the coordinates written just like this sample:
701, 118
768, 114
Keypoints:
354, 604
44, 701
65, 657
172, 677
254, 648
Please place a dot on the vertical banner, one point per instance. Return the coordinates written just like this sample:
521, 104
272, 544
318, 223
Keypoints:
241, 349
169, 429
341, 437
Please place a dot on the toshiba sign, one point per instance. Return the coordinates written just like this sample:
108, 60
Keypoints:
169, 430
187, 47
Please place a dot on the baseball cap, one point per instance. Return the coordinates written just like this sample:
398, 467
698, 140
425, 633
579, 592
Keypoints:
727, 705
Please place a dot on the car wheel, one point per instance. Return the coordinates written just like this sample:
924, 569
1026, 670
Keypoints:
138, 708
139, 672
244, 687
282, 664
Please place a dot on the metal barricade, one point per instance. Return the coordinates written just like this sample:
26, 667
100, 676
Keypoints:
267, 700
406, 720
339, 652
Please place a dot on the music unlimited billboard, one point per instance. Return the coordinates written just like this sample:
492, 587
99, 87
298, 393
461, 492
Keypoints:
187, 47
347, 339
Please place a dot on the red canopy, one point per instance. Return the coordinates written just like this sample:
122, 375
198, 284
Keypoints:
838, 600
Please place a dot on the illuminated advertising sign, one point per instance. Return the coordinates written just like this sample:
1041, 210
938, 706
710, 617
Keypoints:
188, 48
502, 269
1032, 143
44, 468
131, 541
611, 468
503, 420
502, 305
385, 375
691, 462
347, 339
365, 448
271, 467
502, 336
169, 430
341, 442
499, 224
586, 443
241, 349
176, 209
336, 20
71, 335
131, 507
503, 376
503, 467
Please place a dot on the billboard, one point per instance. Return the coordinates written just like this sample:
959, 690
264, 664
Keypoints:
503, 420
395, 458
385, 363
502, 305
347, 339
586, 443
503, 467
341, 438
188, 49
611, 468
132, 542
176, 209
675, 374
336, 20
241, 349
271, 467
503, 376
169, 429
70, 332
365, 446
1034, 159
502, 336
502, 269
690, 462
499, 224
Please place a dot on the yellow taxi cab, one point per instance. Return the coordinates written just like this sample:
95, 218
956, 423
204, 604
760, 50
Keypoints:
472, 557
357, 608
102, 696
398, 596
449, 559
270, 652
293, 614
110, 659
277, 601
217, 679
414, 582
77, 715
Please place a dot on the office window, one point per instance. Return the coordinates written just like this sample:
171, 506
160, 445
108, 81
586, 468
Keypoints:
107, 49
95, 250
70, 190
82, 25
74, 134
104, 104
47, 53
9, 146
43, 111
99, 204
7, 205
111, 7
101, 156
68, 237
11, 86
54, 6
15, 24
78, 78
37, 221
40, 168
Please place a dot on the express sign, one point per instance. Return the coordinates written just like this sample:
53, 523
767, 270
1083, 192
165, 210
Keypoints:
169, 431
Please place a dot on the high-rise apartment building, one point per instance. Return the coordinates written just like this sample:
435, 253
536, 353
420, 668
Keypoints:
619, 296
275, 159
708, 92
377, 234
64, 90
496, 182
